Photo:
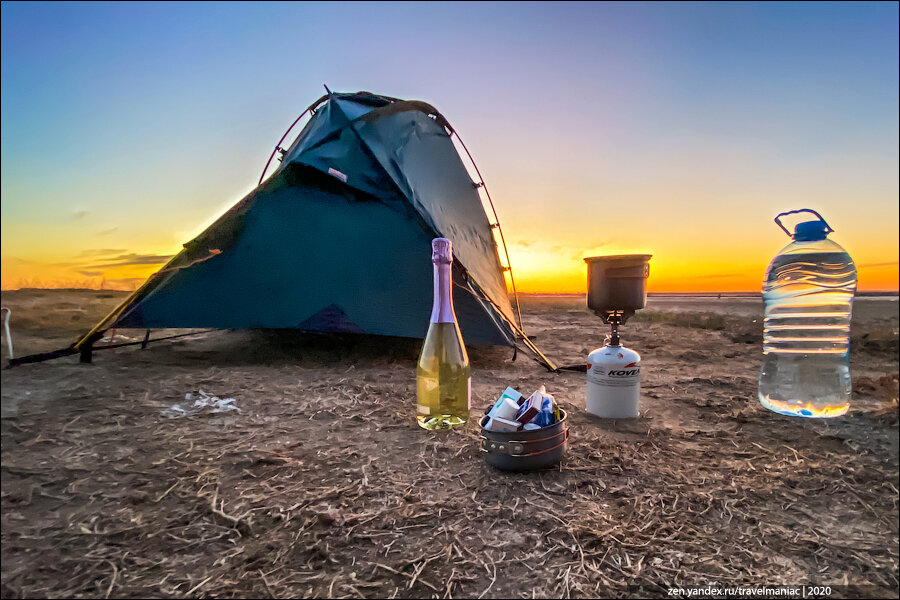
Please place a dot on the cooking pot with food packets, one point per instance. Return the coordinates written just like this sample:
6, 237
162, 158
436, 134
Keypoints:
525, 450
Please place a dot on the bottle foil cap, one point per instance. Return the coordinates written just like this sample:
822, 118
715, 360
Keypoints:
441, 251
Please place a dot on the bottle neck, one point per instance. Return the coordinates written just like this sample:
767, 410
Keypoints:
442, 309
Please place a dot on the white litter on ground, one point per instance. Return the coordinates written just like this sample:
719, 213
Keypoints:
197, 402
112, 336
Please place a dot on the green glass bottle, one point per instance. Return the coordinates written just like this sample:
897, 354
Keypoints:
443, 376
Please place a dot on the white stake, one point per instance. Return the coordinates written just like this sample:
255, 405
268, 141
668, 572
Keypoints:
6, 326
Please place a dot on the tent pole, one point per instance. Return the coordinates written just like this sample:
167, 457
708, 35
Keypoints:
483, 185
546, 362
278, 145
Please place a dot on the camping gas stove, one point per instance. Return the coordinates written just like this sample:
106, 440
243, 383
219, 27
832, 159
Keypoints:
616, 289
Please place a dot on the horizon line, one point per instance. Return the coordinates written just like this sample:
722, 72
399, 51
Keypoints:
544, 293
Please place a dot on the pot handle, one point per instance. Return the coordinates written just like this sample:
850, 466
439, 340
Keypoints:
518, 447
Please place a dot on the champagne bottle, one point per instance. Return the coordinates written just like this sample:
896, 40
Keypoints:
443, 376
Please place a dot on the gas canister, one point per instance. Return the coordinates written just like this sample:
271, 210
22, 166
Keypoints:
613, 382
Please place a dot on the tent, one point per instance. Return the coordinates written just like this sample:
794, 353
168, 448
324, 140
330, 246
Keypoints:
338, 238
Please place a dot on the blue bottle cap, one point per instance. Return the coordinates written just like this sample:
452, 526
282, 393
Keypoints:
810, 231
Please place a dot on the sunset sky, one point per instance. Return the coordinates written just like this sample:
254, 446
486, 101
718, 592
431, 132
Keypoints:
678, 130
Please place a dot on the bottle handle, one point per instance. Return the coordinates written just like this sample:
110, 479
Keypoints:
792, 212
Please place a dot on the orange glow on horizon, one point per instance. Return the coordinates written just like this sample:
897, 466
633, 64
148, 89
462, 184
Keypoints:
680, 277
570, 278
18, 274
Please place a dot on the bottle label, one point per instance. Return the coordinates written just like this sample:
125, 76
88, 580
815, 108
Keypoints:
425, 388
615, 376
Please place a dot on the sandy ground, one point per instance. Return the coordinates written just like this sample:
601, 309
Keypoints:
321, 484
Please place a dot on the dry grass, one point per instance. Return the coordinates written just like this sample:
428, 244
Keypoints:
323, 486
45, 320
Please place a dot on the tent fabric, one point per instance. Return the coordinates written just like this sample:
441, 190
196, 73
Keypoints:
338, 238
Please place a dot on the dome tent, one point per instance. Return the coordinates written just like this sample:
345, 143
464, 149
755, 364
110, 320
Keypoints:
338, 238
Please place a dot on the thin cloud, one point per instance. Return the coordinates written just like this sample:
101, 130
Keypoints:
133, 259
582, 254
592, 251
26, 261
108, 231
101, 252
560, 250
717, 276
79, 214
91, 273
884, 264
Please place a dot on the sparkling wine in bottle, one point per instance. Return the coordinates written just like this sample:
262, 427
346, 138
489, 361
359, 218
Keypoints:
443, 376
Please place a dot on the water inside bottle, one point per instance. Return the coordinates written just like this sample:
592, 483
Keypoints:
808, 299
805, 385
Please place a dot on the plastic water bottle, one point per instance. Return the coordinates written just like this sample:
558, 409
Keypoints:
808, 292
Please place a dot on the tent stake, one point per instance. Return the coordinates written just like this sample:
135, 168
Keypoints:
146, 340
87, 353
6, 327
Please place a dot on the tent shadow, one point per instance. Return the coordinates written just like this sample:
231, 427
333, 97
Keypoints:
282, 347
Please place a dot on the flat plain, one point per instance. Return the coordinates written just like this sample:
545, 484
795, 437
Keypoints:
321, 484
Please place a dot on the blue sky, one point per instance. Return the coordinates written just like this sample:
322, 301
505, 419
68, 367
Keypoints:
127, 126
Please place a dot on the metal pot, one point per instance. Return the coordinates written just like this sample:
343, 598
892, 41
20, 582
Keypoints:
525, 450
617, 283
